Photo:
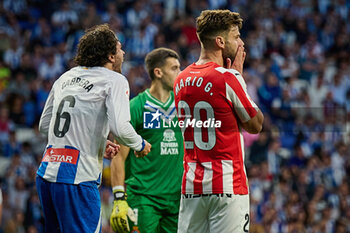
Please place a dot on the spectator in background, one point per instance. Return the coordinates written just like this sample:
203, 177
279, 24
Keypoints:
269, 91
136, 15
12, 146
111, 13
6, 126
91, 18
27, 67
4, 77
38, 141
259, 148
339, 88
42, 94
50, 69
18, 194
27, 156
18, 7
63, 55
298, 159
16, 114
0, 206
337, 162
16, 224
79, 6
274, 158
141, 43
19, 85
317, 92
64, 17
33, 215
347, 103
12, 56
173, 8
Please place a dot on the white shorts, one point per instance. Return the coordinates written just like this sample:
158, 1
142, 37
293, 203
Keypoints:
221, 213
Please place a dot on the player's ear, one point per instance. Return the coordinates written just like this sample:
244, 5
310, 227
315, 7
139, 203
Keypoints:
111, 58
158, 72
220, 42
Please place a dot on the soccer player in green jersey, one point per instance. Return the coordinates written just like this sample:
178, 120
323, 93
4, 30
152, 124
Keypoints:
153, 183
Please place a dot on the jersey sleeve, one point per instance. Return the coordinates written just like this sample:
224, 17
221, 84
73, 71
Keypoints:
118, 111
136, 113
46, 115
236, 93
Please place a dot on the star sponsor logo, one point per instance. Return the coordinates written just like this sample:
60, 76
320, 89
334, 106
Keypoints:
151, 120
63, 155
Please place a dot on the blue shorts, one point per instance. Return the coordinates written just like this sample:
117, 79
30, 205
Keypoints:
70, 208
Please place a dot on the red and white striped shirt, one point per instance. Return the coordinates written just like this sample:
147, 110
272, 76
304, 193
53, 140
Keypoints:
214, 149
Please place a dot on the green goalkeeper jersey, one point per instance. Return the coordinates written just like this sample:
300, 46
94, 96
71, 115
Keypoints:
159, 173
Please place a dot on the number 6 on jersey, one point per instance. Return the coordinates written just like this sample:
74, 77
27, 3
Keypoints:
63, 115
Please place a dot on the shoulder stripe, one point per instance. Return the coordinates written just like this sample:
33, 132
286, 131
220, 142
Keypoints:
236, 90
235, 73
237, 104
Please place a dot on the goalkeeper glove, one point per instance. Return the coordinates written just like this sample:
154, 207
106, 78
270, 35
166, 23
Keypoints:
121, 213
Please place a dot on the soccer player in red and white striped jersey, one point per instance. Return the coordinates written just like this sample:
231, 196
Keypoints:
213, 104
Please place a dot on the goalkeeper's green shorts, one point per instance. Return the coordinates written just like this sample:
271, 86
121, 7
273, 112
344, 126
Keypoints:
153, 217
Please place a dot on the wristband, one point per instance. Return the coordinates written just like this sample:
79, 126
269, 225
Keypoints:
119, 195
142, 145
118, 188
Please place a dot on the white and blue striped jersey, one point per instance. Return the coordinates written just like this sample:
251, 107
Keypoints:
83, 106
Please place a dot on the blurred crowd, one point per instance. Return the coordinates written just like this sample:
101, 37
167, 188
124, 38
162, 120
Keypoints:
297, 70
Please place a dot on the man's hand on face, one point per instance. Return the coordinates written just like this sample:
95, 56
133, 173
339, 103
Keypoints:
237, 64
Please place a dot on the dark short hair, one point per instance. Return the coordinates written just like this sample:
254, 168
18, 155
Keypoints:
95, 46
157, 59
211, 23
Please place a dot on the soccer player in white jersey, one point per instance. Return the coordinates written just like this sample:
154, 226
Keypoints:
84, 105
211, 98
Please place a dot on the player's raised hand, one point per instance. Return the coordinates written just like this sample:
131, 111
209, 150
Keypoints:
145, 150
112, 150
237, 64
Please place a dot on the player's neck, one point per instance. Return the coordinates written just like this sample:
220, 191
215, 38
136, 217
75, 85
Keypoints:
210, 56
158, 92
108, 65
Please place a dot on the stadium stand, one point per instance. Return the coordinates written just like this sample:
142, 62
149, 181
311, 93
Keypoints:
297, 69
